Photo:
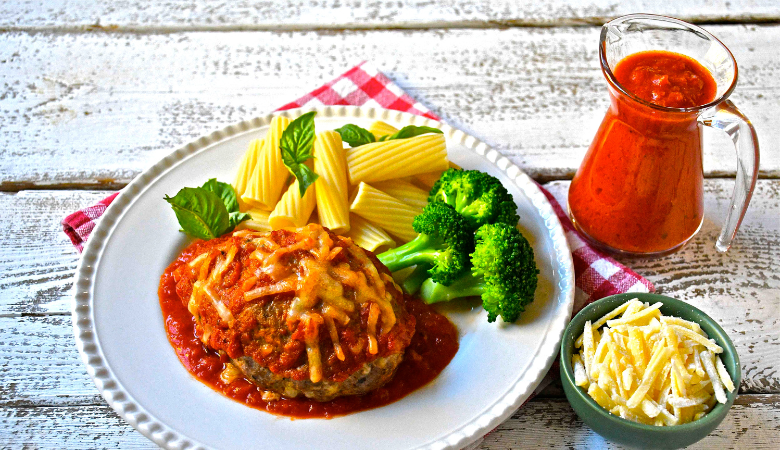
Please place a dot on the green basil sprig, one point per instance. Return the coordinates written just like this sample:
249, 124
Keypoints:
209, 211
356, 136
296, 145
410, 131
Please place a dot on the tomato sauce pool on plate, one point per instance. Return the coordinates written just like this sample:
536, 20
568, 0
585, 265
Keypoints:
433, 345
639, 188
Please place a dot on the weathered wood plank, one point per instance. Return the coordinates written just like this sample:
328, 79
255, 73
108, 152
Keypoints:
298, 14
548, 423
37, 260
738, 289
74, 427
752, 422
41, 365
93, 109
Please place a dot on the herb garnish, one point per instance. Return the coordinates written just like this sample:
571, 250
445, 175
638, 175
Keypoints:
296, 145
209, 211
356, 136
410, 131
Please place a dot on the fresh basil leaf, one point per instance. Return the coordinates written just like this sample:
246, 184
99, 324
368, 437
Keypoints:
223, 191
236, 218
296, 146
355, 136
411, 131
305, 176
200, 212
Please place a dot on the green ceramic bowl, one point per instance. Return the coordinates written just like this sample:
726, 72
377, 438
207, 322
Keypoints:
630, 433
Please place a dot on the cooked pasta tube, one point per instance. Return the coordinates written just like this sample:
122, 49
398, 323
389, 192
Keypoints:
385, 211
258, 222
405, 191
379, 129
368, 235
331, 193
386, 160
247, 166
426, 180
265, 186
292, 210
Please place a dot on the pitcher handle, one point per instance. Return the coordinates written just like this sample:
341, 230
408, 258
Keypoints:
728, 118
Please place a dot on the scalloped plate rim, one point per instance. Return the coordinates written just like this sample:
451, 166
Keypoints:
155, 429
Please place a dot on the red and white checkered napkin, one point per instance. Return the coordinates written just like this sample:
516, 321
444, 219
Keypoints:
597, 275
79, 225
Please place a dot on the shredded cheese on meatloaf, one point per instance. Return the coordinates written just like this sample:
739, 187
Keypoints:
317, 282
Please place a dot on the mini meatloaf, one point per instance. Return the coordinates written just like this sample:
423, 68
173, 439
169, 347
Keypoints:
298, 311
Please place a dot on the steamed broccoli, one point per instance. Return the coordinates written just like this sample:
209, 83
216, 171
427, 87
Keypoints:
479, 197
412, 283
444, 242
504, 274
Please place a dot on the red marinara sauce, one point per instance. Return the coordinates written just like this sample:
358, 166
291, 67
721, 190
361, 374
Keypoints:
433, 346
640, 186
666, 79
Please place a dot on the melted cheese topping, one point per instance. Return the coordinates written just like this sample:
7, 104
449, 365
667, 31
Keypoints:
207, 281
230, 373
319, 291
222, 264
373, 315
286, 285
319, 287
334, 336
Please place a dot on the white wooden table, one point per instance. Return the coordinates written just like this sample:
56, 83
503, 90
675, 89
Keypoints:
94, 92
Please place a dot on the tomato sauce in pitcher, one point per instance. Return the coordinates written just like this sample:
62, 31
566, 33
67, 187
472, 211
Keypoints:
666, 79
640, 187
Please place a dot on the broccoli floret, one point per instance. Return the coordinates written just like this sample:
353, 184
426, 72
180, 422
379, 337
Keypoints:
504, 274
479, 197
412, 283
444, 242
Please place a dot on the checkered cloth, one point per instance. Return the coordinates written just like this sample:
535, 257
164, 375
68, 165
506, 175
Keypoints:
362, 85
597, 275
79, 225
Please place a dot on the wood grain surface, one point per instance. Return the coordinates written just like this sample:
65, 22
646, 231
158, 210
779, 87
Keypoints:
751, 423
42, 367
94, 109
93, 93
297, 14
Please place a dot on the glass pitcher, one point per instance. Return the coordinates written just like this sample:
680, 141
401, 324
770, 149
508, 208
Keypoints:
639, 189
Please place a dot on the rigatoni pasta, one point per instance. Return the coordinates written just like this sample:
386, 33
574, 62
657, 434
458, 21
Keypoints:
426, 180
379, 129
368, 235
385, 211
259, 221
375, 215
292, 210
331, 193
247, 166
386, 160
405, 191
265, 186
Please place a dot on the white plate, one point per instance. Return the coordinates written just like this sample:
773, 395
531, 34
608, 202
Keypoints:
120, 334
